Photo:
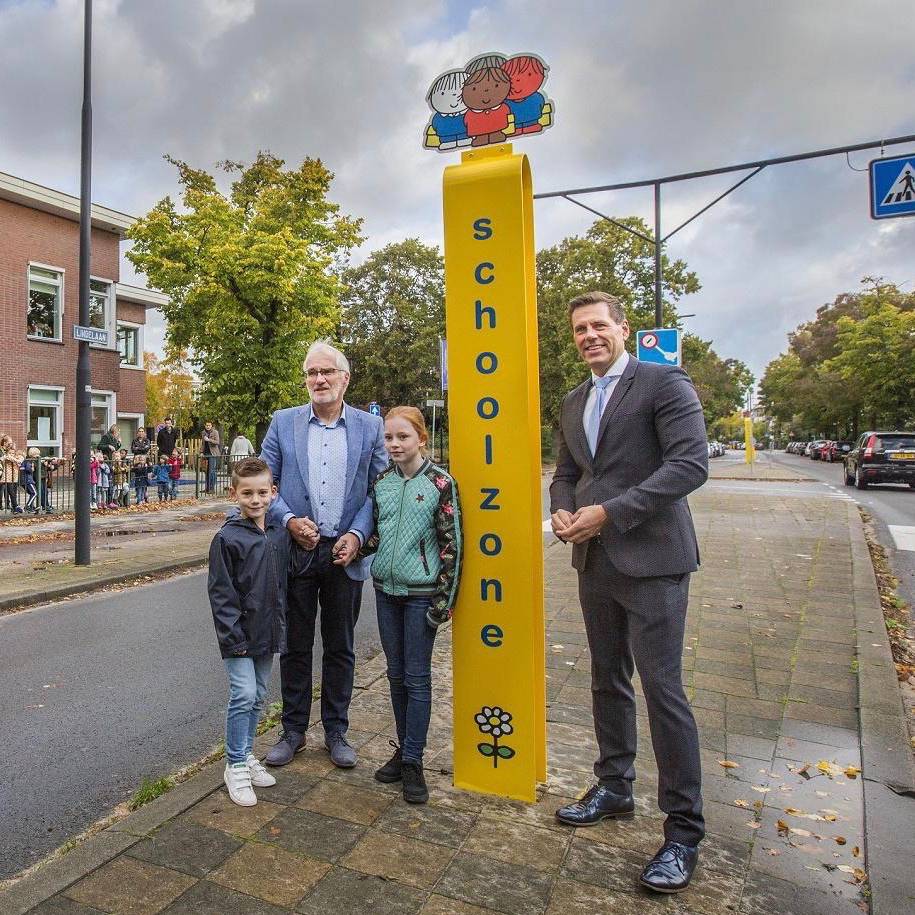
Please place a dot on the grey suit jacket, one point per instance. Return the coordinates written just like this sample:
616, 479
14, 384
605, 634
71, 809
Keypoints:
651, 452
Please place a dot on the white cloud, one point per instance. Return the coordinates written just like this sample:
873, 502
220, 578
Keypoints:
642, 89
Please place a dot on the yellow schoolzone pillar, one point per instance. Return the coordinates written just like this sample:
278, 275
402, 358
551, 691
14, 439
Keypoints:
749, 444
494, 446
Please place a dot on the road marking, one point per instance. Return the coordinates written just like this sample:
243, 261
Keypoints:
904, 536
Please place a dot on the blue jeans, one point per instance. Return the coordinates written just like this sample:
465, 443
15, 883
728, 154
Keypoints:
212, 464
407, 640
248, 682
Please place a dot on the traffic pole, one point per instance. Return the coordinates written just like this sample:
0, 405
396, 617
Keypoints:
83, 368
658, 311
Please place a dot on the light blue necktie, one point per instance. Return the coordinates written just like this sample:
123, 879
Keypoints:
600, 385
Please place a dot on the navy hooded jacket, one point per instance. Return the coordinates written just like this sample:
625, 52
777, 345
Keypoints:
247, 587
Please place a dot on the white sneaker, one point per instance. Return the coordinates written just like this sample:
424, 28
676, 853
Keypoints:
260, 777
238, 781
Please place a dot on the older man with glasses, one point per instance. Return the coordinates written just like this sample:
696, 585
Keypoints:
324, 457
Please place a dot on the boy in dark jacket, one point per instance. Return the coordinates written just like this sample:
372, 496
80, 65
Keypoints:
249, 561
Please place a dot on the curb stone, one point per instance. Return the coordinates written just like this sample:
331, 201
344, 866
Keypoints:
886, 761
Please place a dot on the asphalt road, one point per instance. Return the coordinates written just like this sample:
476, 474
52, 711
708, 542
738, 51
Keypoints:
891, 505
96, 694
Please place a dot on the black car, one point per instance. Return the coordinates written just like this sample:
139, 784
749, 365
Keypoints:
881, 457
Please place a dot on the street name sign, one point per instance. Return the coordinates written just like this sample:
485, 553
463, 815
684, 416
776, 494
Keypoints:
892, 186
90, 334
661, 345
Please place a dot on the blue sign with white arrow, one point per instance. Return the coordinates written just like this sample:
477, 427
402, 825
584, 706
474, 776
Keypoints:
893, 187
661, 345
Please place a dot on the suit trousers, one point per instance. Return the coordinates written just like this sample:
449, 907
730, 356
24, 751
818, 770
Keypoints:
639, 623
339, 597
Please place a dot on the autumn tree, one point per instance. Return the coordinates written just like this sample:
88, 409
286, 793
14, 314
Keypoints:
250, 278
169, 389
392, 317
722, 384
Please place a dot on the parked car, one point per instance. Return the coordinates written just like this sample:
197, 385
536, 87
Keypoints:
815, 444
820, 450
837, 451
881, 457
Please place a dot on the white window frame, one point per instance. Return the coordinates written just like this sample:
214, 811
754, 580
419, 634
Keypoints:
57, 443
61, 300
139, 417
110, 317
140, 342
112, 405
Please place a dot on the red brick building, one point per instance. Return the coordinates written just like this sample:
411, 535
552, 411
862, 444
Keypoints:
39, 304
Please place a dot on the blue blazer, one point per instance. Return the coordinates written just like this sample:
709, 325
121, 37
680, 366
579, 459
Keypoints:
285, 449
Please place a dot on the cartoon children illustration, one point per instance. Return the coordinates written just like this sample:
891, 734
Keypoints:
485, 60
532, 112
447, 130
488, 119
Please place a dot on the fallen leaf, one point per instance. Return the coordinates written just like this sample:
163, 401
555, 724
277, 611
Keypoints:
742, 803
754, 825
856, 852
822, 793
762, 789
757, 805
782, 827
728, 764
840, 840
852, 771
793, 812
805, 833
773, 851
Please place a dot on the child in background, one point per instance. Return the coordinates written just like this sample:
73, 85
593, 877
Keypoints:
249, 560
103, 486
29, 469
139, 473
49, 469
161, 478
120, 484
174, 474
93, 478
9, 474
416, 570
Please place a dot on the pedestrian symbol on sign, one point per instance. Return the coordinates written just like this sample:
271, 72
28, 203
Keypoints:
903, 189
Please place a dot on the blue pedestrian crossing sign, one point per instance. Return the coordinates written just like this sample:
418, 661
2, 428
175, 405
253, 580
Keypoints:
661, 345
375, 408
893, 187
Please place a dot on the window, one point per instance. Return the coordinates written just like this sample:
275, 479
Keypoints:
44, 419
130, 345
100, 305
45, 303
102, 418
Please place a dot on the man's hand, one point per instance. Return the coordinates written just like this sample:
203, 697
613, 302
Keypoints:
345, 549
586, 523
304, 531
560, 521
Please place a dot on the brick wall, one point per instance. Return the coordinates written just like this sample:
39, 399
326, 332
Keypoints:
28, 235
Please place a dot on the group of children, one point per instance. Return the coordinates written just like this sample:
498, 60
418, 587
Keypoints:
112, 480
416, 571
26, 470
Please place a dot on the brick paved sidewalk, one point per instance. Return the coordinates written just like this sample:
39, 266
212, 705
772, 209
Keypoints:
772, 662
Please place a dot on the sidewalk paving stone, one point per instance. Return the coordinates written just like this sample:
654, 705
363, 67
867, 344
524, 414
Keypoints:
767, 665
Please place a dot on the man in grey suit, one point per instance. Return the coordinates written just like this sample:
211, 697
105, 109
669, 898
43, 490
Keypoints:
632, 446
324, 457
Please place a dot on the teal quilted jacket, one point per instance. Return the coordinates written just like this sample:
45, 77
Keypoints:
417, 540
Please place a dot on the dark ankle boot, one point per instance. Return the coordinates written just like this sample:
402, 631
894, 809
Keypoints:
390, 771
414, 784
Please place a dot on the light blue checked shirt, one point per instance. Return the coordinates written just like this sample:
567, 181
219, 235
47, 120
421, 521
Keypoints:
327, 472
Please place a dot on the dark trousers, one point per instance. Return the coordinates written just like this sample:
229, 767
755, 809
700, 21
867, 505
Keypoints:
407, 640
329, 586
640, 622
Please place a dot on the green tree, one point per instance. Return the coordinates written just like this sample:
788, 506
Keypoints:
392, 318
877, 356
169, 390
250, 279
722, 384
606, 258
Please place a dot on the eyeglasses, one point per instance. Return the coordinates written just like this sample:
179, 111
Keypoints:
327, 373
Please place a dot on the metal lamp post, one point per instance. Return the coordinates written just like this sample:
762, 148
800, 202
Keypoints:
83, 368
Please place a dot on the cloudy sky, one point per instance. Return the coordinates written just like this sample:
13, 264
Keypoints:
642, 88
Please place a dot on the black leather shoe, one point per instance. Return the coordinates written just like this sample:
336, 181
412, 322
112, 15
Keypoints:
391, 771
290, 743
598, 804
414, 783
671, 869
